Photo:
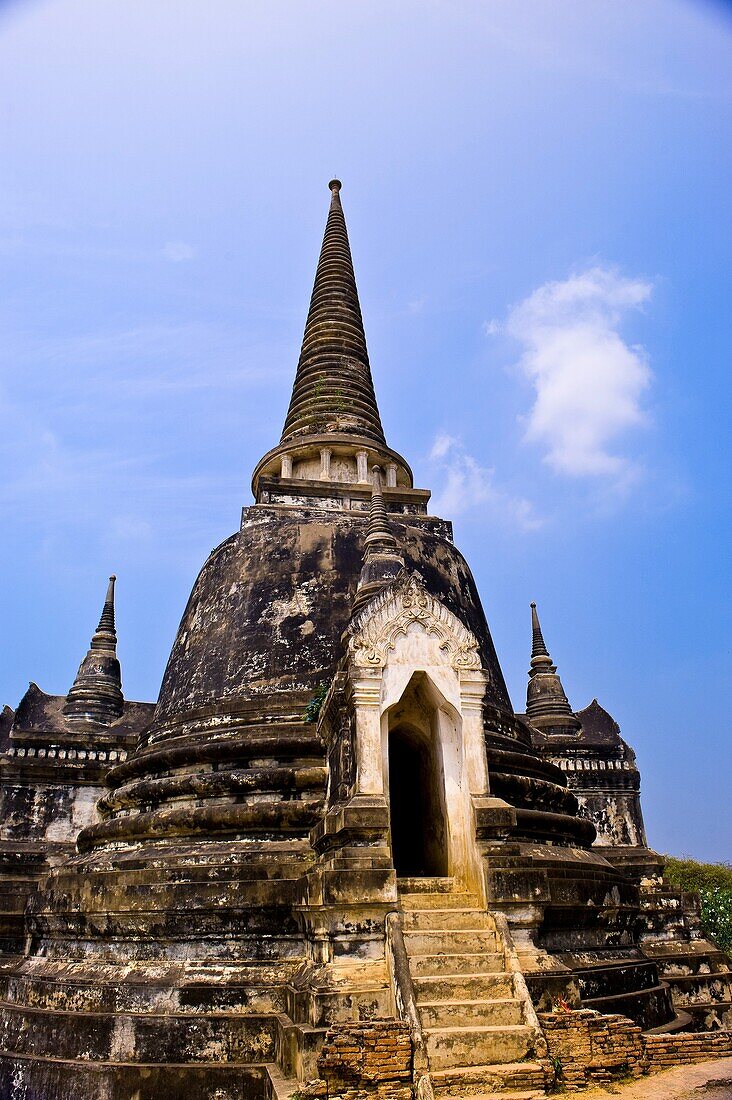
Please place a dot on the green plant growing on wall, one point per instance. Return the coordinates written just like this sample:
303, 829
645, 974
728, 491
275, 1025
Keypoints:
556, 1085
312, 711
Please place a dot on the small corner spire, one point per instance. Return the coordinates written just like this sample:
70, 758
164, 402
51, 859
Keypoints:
382, 558
538, 645
379, 535
96, 694
547, 707
105, 634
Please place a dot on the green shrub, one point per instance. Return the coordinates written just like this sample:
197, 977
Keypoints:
691, 875
713, 883
312, 711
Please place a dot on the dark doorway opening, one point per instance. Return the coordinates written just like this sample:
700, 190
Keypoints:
418, 834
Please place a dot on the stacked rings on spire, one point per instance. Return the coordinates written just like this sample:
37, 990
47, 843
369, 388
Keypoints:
333, 389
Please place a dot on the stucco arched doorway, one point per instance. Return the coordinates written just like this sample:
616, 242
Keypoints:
418, 841
417, 804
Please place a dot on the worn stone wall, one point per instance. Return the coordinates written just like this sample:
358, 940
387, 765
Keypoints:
370, 1061
600, 769
56, 812
613, 812
268, 609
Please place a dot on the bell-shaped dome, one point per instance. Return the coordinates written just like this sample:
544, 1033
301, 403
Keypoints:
269, 607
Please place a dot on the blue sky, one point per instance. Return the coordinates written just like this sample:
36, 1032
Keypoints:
538, 197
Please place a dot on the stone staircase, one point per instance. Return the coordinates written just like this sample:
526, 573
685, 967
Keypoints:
478, 1041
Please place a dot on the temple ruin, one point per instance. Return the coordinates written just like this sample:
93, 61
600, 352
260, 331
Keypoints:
332, 856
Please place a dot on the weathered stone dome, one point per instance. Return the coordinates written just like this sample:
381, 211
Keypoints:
270, 605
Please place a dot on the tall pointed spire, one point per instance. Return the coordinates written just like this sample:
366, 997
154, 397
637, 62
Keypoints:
105, 632
333, 433
96, 694
333, 389
382, 559
547, 707
538, 645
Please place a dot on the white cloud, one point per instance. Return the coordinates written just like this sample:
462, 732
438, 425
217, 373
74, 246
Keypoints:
441, 446
589, 382
491, 328
467, 486
177, 251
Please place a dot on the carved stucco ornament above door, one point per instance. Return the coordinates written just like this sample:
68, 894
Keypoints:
375, 629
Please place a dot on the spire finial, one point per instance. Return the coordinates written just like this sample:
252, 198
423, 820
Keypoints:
333, 410
105, 634
538, 645
546, 704
96, 694
333, 392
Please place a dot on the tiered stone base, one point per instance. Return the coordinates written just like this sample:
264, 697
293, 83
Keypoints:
155, 967
698, 974
574, 919
54, 1079
22, 866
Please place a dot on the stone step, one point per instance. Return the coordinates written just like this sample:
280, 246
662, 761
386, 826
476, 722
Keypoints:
470, 1013
45, 1077
410, 902
150, 991
479, 1081
459, 987
425, 885
428, 920
240, 893
476, 1046
140, 1037
705, 977
265, 867
531, 1094
452, 941
481, 962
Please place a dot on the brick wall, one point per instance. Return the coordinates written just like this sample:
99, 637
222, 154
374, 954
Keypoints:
366, 1061
373, 1061
587, 1048
684, 1047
